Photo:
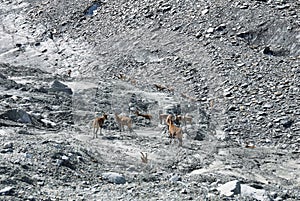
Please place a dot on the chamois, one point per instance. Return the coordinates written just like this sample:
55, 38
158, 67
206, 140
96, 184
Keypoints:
146, 116
122, 121
188, 118
174, 131
98, 123
162, 117
184, 119
163, 88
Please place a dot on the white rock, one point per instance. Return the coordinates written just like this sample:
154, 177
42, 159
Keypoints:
258, 194
210, 30
204, 12
6, 190
230, 188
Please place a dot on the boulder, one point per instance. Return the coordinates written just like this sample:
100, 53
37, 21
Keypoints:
257, 194
57, 86
17, 115
9, 190
230, 189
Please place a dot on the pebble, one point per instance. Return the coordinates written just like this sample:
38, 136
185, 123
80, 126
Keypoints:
210, 30
8, 145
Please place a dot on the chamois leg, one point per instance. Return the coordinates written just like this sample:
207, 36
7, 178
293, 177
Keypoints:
130, 129
120, 127
95, 133
180, 142
171, 137
180, 136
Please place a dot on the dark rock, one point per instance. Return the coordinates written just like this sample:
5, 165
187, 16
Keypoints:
2, 76
200, 134
24, 132
17, 115
287, 123
27, 179
9, 190
57, 86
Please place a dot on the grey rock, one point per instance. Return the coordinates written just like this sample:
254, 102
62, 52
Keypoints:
268, 105
17, 115
114, 177
175, 178
9, 190
8, 145
2, 76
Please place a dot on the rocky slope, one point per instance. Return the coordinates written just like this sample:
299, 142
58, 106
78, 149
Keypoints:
233, 65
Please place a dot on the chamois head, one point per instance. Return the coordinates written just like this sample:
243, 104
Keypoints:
105, 115
169, 119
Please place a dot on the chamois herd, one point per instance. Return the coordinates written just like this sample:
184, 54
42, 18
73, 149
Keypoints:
175, 131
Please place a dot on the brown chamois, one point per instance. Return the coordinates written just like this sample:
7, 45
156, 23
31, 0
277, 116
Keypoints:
98, 123
163, 88
174, 131
189, 98
123, 121
146, 116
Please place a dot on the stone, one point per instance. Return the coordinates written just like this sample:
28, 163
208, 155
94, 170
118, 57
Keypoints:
286, 123
57, 86
2, 76
8, 145
210, 30
175, 178
204, 12
230, 188
258, 194
267, 105
17, 115
114, 177
7, 190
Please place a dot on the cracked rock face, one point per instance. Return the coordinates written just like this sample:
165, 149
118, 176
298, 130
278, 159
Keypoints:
232, 67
